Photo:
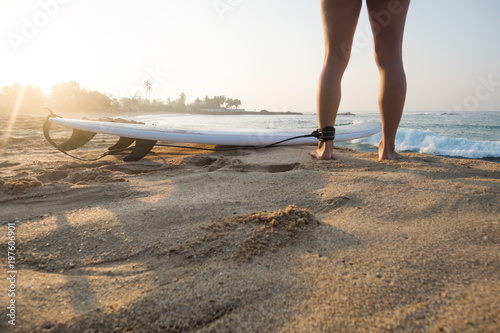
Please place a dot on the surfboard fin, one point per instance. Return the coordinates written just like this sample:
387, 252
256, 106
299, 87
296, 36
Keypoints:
122, 143
141, 149
77, 140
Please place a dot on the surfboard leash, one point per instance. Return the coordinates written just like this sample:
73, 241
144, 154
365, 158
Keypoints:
81, 136
241, 147
324, 134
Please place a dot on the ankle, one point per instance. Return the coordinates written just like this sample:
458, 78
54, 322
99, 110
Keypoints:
386, 145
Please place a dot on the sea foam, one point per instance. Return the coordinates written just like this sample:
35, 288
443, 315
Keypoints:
427, 142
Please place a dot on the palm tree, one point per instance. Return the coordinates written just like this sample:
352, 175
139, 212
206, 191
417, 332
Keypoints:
148, 87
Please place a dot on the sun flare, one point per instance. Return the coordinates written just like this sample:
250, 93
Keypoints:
12, 121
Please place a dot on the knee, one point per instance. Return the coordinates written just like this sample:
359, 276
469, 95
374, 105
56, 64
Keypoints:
338, 58
386, 59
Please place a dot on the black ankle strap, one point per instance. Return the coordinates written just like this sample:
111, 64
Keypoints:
325, 134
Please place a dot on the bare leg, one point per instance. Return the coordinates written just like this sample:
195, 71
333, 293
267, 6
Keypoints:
340, 18
388, 19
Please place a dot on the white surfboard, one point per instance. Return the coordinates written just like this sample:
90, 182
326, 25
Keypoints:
215, 137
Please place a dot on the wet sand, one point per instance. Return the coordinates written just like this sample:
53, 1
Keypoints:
246, 241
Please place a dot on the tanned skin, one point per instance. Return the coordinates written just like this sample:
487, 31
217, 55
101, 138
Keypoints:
340, 18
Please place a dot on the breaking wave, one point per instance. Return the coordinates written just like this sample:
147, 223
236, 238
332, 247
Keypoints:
427, 142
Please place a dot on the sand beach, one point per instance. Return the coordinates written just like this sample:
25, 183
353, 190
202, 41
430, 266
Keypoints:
245, 241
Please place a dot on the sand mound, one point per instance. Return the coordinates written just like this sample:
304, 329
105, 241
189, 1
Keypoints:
181, 303
18, 186
82, 176
242, 237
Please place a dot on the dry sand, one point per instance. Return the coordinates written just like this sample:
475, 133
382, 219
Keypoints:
247, 241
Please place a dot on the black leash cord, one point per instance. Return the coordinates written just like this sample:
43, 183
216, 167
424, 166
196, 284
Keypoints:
240, 147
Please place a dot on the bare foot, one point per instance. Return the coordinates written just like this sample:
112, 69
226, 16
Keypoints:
390, 156
324, 151
388, 153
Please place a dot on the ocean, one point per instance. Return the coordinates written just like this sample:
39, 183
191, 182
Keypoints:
473, 135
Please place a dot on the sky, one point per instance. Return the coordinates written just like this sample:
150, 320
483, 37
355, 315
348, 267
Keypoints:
267, 53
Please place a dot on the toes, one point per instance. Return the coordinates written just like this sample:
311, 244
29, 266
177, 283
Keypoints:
390, 157
315, 154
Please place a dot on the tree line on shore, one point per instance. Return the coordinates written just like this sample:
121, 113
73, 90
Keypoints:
70, 97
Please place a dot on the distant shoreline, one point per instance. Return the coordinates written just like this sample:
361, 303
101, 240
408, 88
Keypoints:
232, 113
227, 112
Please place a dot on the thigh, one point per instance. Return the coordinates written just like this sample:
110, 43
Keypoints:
387, 18
340, 18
